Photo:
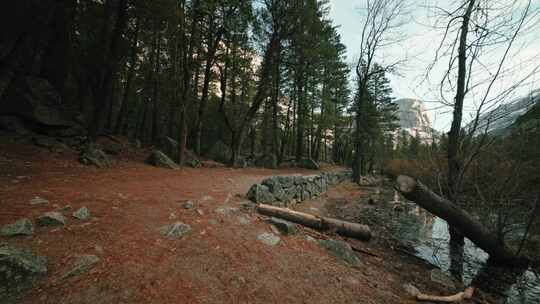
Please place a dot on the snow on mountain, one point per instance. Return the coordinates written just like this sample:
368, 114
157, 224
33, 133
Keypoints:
499, 121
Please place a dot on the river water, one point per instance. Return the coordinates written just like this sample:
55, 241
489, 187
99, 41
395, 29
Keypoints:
429, 236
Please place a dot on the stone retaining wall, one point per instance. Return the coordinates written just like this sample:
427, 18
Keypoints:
283, 191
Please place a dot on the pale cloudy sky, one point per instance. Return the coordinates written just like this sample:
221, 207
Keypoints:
419, 44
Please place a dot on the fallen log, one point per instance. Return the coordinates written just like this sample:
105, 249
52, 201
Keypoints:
419, 193
348, 229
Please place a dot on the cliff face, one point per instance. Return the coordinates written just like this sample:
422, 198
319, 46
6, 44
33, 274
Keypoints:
413, 118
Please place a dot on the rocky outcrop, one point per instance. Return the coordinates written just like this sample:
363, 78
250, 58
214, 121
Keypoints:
285, 190
159, 159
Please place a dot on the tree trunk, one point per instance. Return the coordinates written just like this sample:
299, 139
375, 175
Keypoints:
262, 92
210, 57
122, 115
454, 136
456, 217
113, 28
358, 231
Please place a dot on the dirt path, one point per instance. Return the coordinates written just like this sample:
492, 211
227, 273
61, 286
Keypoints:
219, 261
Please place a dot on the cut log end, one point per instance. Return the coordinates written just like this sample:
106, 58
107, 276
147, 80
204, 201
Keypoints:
406, 184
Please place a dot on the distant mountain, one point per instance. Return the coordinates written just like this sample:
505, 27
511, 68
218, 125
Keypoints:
414, 120
500, 120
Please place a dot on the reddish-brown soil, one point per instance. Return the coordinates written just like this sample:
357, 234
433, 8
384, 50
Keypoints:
219, 261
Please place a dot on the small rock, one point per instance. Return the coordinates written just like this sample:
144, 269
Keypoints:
411, 290
99, 249
283, 226
226, 210
159, 159
341, 250
189, 205
175, 230
21, 227
82, 214
310, 238
260, 194
96, 157
440, 277
242, 220
200, 212
82, 265
52, 218
269, 239
38, 201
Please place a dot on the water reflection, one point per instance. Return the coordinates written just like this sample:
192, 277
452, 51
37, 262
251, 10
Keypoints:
430, 237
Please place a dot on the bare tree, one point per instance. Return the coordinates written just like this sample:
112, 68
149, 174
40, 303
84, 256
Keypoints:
382, 19
479, 39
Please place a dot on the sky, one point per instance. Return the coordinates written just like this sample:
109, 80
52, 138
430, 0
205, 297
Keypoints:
419, 40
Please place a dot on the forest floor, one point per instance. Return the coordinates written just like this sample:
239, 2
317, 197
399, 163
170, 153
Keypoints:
220, 260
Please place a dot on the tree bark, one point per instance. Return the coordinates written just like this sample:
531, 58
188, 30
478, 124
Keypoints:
127, 89
456, 217
358, 231
113, 28
262, 92
454, 136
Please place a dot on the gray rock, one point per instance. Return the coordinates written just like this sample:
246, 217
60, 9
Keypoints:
285, 181
52, 218
170, 148
243, 220
309, 163
341, 250
21, 227
411, 290
38, 201
19, 269
268, 238
159, 159
285, 227
93, 156
226, 210
175, 230
440, 277
188, 205
82, 265
82, 213
260, 194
